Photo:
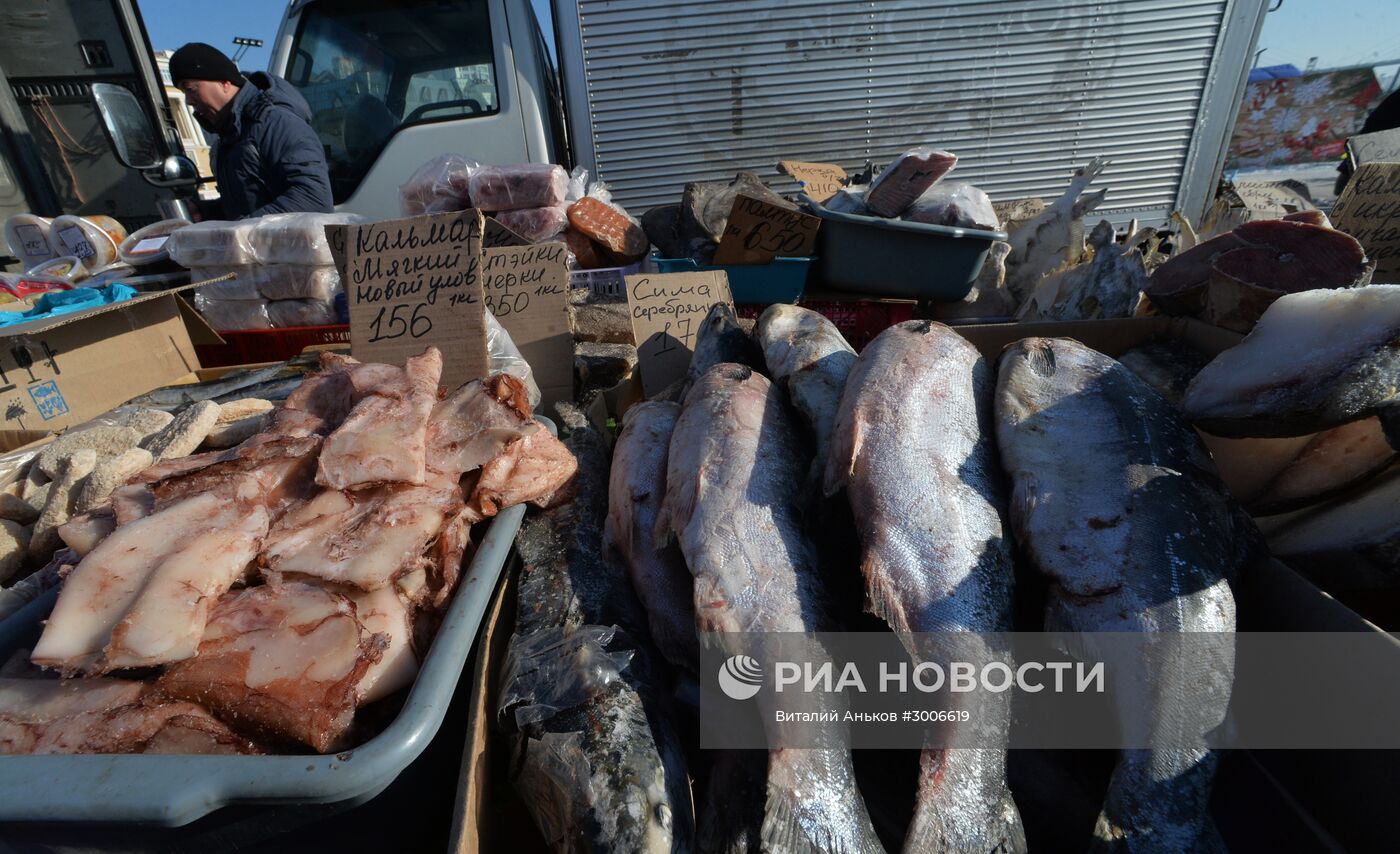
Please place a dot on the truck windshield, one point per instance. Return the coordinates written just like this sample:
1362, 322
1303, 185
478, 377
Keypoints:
368, 68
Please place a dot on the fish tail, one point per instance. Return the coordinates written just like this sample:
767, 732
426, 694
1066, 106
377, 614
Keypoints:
945, 820
794, 823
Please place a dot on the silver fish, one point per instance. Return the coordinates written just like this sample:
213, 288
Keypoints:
179, 396
1115, 499
594, 755
913, 447
810, 359
636, 487
1316, 359
735, 454
720, 338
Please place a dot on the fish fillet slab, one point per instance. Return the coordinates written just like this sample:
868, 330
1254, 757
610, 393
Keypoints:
280, 659
206, 538
384, 438
1316, 360
736, 456
368, 538
104, 715
914, 449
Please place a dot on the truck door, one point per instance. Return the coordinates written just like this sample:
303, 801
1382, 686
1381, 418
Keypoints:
58, 160
392, 85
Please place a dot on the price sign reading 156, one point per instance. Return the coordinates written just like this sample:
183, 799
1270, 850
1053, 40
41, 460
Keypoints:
413, 283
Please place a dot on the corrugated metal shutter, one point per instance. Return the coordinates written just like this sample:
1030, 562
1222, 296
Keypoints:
1023, 92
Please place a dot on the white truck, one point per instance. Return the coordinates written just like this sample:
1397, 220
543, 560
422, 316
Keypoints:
650, 96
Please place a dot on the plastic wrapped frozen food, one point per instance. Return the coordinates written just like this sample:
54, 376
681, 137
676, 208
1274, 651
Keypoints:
506, 357
611, 228
214, 243
535, 224
240, 287
295, 238
849, 200
294, 281
288, 313
523, 185
233, 315
439, 186
906, 179
578, 184
586, 253
955, 203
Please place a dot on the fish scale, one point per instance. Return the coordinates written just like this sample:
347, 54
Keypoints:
736, 453
1108, 481
912, 447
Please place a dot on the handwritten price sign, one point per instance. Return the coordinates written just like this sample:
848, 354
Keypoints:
820, 181
413, 283
666, 313
527, 290
758, 232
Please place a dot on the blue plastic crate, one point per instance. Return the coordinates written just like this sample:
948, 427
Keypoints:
782, 280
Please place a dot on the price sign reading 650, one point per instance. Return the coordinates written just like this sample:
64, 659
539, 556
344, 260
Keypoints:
758, 232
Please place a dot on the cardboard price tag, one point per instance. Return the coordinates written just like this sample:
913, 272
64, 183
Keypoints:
758, 232
527, 289
1271, 197
820, 181
666, 310
1369, 210
411, 283
1379, 147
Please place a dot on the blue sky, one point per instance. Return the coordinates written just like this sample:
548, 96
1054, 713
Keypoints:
1337, 32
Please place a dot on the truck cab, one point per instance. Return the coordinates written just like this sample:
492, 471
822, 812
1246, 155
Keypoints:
394, 85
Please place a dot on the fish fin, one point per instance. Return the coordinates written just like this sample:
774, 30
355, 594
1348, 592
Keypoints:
841, 458
943, 820
881, 596
1390, 423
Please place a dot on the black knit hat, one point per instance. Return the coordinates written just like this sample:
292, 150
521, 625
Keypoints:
199, 61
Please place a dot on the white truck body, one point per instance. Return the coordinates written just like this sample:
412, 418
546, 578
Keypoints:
1024, 91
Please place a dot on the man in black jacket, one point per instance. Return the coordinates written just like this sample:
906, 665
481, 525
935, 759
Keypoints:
267, 158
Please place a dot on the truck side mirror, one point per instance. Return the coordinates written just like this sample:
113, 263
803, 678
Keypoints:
127, 127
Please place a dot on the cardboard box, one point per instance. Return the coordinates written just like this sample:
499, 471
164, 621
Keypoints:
62, 371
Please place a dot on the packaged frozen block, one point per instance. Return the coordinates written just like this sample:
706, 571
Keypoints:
294, 238
439, 186
535, 224
955, 203
906, 179
506, 358
241, 287
294, 281
212, 244
288, 313
849, 200
611, 228
234, 315
525, 185
585, 251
